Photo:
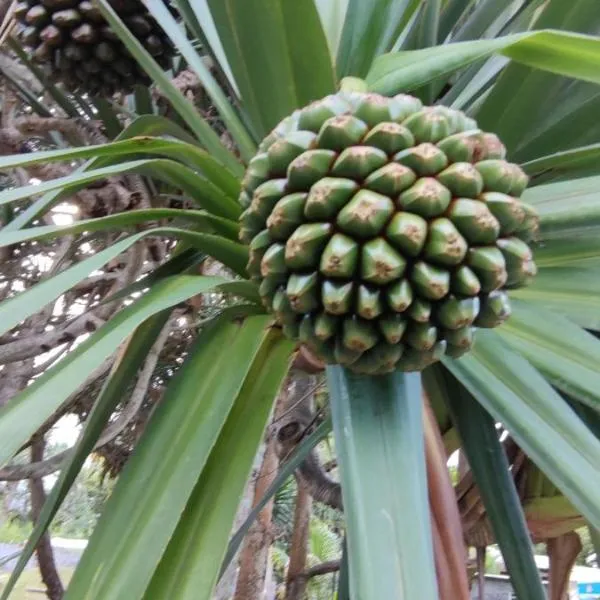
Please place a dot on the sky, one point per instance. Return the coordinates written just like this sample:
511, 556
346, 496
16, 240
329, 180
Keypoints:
65, 431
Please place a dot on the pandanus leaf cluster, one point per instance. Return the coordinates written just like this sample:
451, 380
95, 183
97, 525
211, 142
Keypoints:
388, 226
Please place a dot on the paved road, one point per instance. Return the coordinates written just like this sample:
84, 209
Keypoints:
65, 557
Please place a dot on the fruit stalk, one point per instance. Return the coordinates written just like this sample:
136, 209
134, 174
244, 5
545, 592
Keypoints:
378, 427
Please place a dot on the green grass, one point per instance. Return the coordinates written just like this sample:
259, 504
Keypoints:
31, 580
14, 532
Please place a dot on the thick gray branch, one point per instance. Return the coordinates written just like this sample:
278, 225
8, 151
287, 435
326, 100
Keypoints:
14, 380
294, 423
34, 470
29, 346
33, 345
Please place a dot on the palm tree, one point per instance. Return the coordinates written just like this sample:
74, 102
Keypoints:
526, 70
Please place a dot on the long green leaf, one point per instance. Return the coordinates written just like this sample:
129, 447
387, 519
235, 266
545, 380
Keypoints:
567, 355
120, 221
155, 125
199, 188
184, 260
486, 15
451, 14
430, 24
189, 18
192, 15
406, 30
146, 125
110, 396
492, 474
190, 565
566, 206
142, 97
580, 250
182, 151
570, 291
555, 51
369, 30
569, 122
19, 307
199, 19
472, 87
475, 82
221, 102
175, 452
109, 117
332, 16
486, 20
278, 65
22, 416
181, 104
550, 433
428, 34
565, 163
378, 429
343, 591
535, 113
286, 470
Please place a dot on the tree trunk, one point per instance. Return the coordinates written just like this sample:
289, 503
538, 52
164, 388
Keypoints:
563, 552
44, 553
255, 551
449, 548
254, 555
296, 581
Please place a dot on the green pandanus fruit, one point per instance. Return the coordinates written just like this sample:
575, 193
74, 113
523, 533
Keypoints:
73, 42
383, 233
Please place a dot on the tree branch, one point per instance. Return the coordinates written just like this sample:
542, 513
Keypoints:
295, 588
48, 466
44, 552
34, 470
296, 421
254, 553
27, 347
76, 131
33, 345
331, 566
90, 380
139, 392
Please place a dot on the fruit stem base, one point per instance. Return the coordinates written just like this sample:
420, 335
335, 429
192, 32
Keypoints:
378, 427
